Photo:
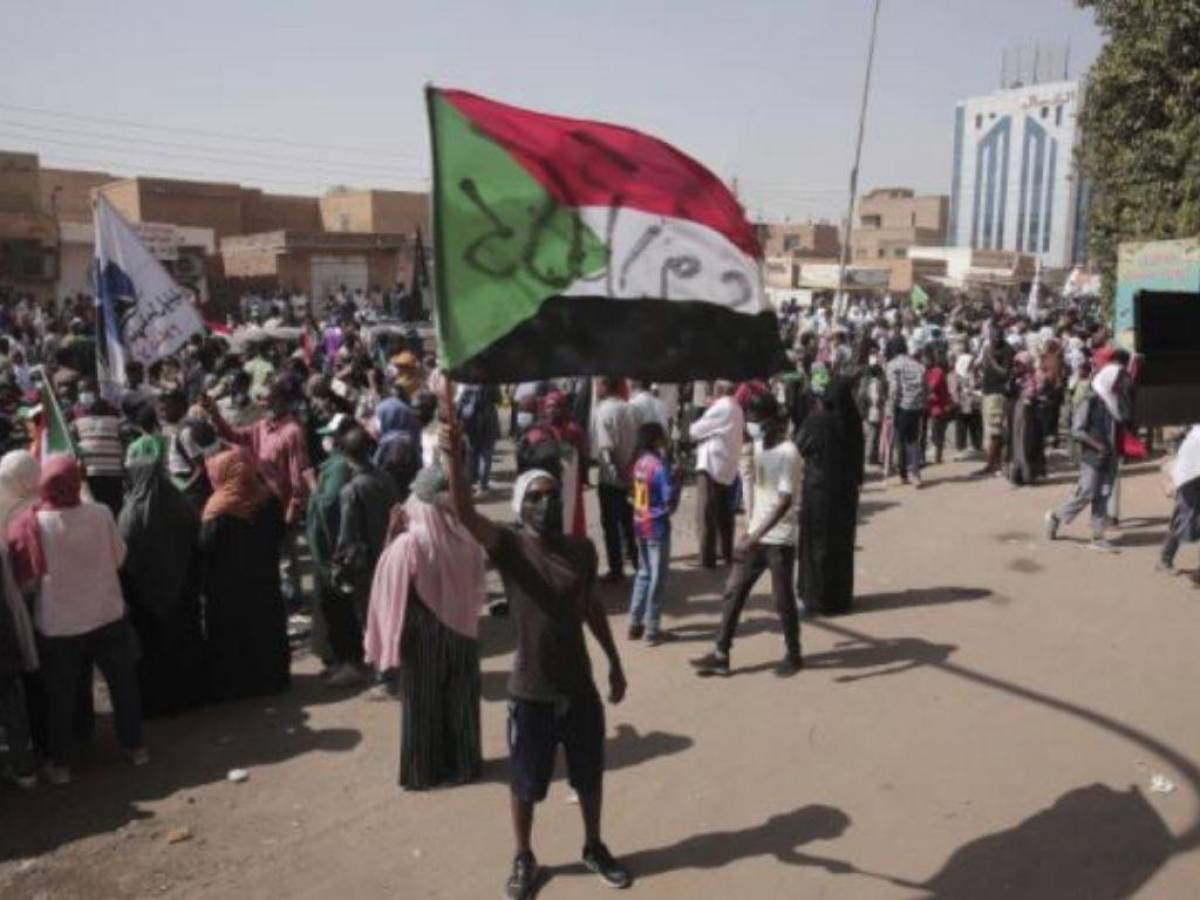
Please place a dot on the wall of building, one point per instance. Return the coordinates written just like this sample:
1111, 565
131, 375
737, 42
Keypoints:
385, 212
1014, 182
897, 208
346, 211
807, 239
275, 212
20, 190
67, 194
399, 212
125, 198
207, 205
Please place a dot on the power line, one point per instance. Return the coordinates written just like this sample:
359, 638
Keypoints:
236, 155
57, 159
170, 155
126, 123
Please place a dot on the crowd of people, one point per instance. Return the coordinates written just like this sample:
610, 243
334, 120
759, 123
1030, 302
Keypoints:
167, 548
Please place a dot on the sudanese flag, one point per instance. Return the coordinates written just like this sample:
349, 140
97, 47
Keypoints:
568, 247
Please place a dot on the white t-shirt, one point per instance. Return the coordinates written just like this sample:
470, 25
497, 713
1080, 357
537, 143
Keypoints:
776, 472
80, 591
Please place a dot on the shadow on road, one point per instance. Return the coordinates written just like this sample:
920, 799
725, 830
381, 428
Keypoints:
780, 837
1092, 842
626, 748
932, 596
188, 751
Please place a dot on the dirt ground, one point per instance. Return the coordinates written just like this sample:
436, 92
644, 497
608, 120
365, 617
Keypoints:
988, 723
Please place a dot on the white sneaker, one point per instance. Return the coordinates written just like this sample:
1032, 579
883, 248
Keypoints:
1100, 545
139, 757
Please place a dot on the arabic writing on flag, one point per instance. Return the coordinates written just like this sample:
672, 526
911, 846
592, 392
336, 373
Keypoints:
143, 314
571, 247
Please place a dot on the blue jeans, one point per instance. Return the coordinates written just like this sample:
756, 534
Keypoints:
480, 464
654, 559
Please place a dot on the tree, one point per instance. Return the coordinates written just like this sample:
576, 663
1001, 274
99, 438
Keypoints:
1140, 127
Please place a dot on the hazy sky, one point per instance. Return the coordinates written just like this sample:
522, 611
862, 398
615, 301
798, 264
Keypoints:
297, 96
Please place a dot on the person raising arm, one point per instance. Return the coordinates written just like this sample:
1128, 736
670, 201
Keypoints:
548, 579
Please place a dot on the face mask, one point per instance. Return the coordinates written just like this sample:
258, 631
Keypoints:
87, 399
524, 419
755, 430
543, 515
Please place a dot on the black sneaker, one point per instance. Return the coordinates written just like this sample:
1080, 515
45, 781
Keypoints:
660, 637
713, 664
523, 880
789, 665
636, 632
597, 859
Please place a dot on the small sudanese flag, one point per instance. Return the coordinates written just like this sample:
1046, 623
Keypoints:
569, 247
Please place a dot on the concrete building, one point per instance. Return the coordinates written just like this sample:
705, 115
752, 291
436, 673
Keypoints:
805, 240
890, 220
227, 209
371, 212
317, 263
28, 234
966, 267
1014, 183
889, 223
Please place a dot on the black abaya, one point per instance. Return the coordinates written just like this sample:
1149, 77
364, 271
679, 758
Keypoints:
832, 445
160, 578
245, 616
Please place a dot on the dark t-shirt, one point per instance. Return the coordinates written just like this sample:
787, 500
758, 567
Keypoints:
547, 585
994, 356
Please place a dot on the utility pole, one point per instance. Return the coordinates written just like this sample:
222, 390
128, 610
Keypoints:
841, 301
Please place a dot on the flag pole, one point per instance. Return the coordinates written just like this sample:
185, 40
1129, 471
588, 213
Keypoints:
841, 302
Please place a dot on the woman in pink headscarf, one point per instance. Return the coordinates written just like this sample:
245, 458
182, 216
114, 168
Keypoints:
424, 619
68, 551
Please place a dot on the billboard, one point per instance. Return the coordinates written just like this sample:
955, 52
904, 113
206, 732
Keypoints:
1152, 266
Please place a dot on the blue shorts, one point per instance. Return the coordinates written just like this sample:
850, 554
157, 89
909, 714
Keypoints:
535, 729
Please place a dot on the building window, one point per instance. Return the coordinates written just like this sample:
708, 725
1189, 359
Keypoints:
1058, 114
979, 122
913, 218
882, 253
899, 253
1045, 112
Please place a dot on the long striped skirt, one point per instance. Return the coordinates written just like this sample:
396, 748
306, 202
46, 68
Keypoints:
440, 685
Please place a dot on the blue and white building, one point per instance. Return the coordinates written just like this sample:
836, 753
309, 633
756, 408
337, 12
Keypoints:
1015, 185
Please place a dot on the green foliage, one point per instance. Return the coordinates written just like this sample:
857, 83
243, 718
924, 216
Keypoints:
1140, 141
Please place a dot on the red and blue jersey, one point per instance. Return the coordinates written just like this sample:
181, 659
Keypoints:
651, 498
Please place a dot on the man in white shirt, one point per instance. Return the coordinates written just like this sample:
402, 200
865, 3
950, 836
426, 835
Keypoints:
646, 407
614, 440
719, 436
769, 542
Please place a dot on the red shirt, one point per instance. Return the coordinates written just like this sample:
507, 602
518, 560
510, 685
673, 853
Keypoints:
940, 402
282, 455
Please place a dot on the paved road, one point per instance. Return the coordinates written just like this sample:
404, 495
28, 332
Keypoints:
986, 725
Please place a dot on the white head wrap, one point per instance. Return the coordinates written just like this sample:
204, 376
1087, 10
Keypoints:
524, 480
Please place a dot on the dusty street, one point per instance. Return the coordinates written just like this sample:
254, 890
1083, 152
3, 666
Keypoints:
988, 723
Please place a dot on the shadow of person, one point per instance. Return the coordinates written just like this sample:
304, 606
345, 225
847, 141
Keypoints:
932, 596
189, 750
1094, 842
779, 837
626, 748
883, 656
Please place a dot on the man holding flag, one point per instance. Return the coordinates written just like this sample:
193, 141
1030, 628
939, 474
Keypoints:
569, 248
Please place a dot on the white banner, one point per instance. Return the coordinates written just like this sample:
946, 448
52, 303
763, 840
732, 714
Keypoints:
143, 314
